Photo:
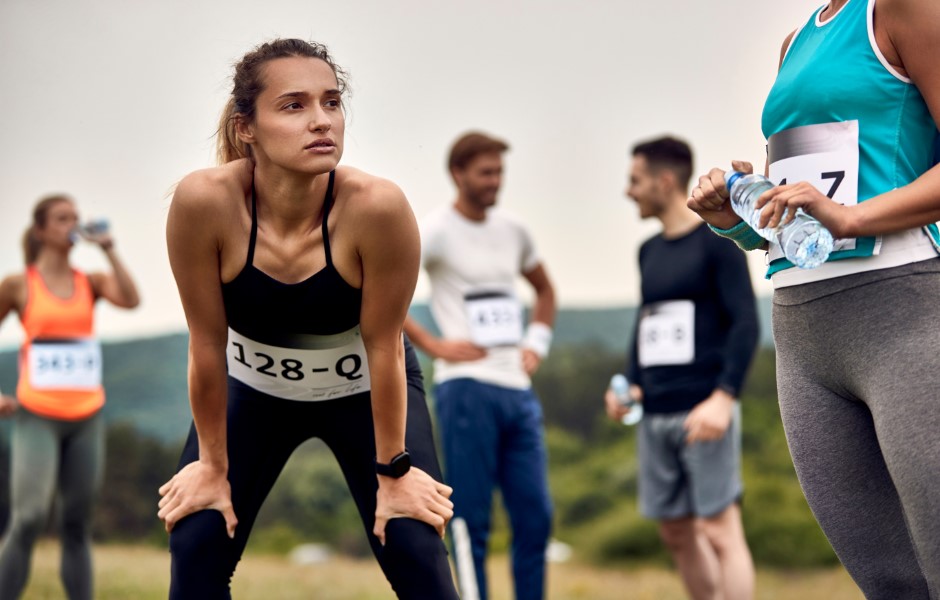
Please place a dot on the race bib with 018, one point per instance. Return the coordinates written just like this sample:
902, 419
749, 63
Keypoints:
666, 334
64, 364
312, 369
495, 319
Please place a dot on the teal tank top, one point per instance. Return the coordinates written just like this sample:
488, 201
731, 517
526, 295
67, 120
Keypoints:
833, 72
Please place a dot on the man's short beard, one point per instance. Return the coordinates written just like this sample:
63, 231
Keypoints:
477, 199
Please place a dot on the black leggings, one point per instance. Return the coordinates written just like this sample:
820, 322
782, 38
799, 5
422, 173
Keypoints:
263, 431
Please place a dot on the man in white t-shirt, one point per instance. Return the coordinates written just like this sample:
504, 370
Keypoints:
490, 419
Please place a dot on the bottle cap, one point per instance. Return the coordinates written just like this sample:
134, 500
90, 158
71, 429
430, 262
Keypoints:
731, 177
619, 384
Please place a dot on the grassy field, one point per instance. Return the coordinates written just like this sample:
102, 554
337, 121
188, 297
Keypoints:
142, 573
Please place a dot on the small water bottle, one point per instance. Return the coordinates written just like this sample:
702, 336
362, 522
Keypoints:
621, 389
805, 241
95, 227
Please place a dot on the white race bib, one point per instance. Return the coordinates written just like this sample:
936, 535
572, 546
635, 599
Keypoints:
824, 155
495, 319
666, 334
65, 364
315, 368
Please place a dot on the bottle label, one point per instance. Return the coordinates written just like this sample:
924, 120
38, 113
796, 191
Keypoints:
666, 334
494, 318
65, 364
824, 155
313, 368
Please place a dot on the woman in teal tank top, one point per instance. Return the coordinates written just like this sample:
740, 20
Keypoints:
851, 125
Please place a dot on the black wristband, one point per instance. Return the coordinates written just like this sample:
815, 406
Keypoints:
726, 388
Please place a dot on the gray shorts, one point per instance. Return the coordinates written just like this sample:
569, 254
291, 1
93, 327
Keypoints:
681, 480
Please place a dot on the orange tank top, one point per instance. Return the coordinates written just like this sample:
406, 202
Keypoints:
60, 361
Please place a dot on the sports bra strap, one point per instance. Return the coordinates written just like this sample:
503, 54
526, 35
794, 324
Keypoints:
327, 204
254, 225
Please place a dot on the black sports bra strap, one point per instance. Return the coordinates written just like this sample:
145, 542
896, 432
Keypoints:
254, 225
327, 204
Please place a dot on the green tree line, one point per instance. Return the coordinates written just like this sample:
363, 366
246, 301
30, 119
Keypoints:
592, 470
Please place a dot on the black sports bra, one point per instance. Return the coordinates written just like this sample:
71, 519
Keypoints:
261, 307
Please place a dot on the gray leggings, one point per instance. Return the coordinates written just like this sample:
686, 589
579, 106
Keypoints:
858, 376
48, 454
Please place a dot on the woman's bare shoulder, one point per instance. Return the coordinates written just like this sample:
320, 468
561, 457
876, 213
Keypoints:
369, 193
12, 289
215, 187
13, 282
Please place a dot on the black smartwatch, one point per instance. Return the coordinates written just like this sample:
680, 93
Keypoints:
398, 466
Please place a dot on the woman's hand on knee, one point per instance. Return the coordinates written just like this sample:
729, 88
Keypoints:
415, 495
196, 487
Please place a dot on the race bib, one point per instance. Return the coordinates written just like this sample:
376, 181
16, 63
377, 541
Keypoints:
495, 319
826, 156
314, 368
64, 364
666, 334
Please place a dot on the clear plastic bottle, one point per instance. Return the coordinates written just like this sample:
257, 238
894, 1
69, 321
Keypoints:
95, 227
621, 389
805, 241
89, 229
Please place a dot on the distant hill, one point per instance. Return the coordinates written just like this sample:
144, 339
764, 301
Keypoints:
146, 378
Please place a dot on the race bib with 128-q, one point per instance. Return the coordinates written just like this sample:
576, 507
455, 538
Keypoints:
314, 368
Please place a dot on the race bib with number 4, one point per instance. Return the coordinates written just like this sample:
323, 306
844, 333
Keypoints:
824, 155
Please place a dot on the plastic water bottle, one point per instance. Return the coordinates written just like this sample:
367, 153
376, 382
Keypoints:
805, 241
89, 229
621, 389
95, 227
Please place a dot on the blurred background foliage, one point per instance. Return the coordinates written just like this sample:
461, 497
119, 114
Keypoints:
592, 462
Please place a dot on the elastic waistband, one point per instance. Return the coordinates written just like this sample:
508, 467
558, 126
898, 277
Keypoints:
807, 292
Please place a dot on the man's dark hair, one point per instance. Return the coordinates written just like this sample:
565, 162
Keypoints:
668, 153
470, 145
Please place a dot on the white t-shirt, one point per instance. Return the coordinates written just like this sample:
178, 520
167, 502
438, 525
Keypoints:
473, 267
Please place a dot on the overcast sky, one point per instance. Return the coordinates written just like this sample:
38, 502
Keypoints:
113, 101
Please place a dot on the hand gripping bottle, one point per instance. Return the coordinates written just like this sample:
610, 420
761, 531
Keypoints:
804, 240
621, 389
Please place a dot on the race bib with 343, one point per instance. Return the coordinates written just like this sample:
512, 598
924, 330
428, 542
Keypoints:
71, 364
313, 368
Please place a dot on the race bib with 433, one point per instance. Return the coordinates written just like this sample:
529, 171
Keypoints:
494, 318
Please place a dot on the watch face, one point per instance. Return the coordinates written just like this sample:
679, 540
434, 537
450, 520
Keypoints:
398, 466
401, 464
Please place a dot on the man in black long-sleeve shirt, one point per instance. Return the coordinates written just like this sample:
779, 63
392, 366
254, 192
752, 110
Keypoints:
695, 336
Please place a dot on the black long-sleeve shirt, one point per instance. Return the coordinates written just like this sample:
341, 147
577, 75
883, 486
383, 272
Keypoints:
711, 272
